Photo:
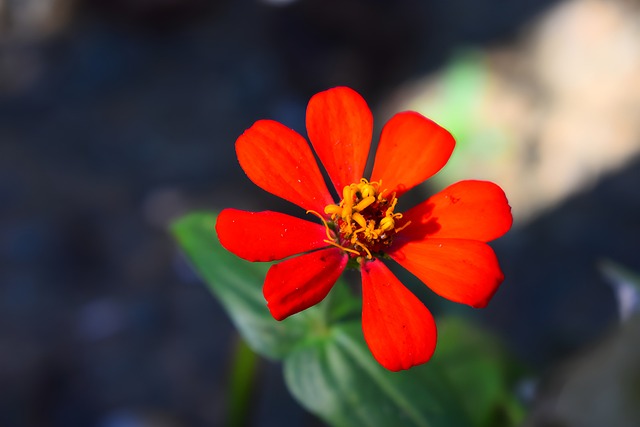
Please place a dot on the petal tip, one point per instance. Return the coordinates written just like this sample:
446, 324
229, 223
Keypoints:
399, 330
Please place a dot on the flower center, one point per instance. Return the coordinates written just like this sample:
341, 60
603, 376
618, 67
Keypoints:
364, 222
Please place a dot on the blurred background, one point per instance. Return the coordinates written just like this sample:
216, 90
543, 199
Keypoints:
118, 116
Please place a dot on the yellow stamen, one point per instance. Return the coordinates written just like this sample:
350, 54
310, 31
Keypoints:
403, 227
364, 222
364, 203
369, 256
359, 219
333, 243
387, 223
326, 226
367, 189
394, 202
332, 210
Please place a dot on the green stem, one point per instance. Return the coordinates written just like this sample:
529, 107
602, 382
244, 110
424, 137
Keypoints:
242, 378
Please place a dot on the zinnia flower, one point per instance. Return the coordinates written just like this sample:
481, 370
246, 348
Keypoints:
442, 241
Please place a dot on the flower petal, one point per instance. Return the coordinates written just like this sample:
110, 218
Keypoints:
279, 160
267, 236
339, 125
298, 283
463, 271
475, 210
412, 148
398, 328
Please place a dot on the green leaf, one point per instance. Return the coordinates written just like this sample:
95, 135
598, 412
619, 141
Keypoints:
336, 377
328, 366
480, 372
238, 285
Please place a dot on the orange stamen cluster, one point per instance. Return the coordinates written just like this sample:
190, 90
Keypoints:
364, 222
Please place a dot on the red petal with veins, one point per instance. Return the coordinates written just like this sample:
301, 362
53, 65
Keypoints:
279, 160
464, 271
412, 148
267, 236
339, 125
474, 210
398, 328
298, 283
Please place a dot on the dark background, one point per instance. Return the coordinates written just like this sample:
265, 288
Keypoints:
118, 116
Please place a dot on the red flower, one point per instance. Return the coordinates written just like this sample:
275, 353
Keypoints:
442, 241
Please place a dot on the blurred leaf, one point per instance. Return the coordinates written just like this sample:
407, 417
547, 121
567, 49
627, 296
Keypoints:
341, 305
461, 88
463, 84
459, 98
238, 285
242, 378
336, 377
480, 371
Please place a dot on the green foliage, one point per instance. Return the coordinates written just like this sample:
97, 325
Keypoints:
241, 380
328, 366
337, 378
238, 285
478, 368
